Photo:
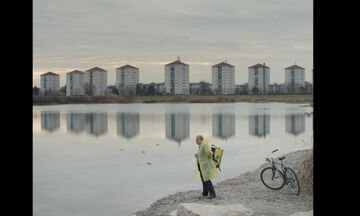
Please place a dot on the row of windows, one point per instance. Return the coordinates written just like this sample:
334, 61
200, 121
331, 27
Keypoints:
217, 80
131, 81
128, 76
176, 80
127, 72
50, 80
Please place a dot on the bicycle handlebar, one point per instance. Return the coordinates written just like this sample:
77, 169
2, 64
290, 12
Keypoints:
268, 158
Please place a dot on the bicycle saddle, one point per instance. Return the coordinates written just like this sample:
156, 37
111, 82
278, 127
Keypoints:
281, 158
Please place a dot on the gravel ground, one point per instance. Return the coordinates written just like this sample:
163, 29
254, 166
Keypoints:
248, 190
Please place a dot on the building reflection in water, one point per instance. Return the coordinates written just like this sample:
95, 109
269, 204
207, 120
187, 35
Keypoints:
50, 120
259, 125
96, 123
128, 124
295, 123
75, 122
177, 126
223, 125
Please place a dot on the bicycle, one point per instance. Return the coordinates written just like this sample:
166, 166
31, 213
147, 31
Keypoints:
276, 178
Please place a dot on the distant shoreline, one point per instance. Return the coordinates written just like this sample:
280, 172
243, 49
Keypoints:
57, 100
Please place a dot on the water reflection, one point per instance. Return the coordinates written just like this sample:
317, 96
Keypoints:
128, 124
75, 122
223, 125
259, 125
295, 123
96, 123
177, 126
79, 163
50, 120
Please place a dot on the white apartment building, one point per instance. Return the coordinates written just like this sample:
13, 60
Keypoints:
294, 77
259, 77
177, 78
223, 78
127, 77
50, 82
75, 83
95, 80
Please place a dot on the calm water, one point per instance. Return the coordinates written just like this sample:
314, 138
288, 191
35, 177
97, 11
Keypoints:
116, 159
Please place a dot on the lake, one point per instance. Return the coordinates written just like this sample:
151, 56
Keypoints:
116, 159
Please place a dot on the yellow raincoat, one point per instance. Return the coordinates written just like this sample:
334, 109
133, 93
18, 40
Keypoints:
207, 165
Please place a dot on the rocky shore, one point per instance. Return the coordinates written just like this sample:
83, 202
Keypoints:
246, 195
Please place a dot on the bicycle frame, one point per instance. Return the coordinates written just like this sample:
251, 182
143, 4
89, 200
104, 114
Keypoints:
273, 165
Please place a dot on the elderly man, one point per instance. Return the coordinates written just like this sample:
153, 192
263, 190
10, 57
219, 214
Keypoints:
206, 169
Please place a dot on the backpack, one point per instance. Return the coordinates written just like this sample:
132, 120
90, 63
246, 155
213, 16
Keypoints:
217, 155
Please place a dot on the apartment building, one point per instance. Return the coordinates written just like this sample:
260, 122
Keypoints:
259, 79
50, 82
223, 78
177, 78
127, 77
95, 81
294, 78
75, 83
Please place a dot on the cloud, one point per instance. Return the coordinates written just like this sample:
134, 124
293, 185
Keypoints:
149, 33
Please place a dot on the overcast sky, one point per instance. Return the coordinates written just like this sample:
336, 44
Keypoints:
81, 34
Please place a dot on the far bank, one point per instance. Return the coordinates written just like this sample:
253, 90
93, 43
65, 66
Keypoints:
55, 100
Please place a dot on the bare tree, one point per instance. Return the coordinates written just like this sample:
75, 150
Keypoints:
36, 91
129, 90
255, 90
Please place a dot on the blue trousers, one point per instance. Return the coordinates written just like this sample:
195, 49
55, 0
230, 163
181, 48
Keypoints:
207, 185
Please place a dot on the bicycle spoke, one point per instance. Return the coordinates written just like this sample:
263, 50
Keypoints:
291, 181
272, 178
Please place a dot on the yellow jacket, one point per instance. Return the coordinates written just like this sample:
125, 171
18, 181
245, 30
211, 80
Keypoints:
207, 165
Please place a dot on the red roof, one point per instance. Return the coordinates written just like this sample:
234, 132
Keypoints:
76, 71
295, 67
259, 66
127, 66
96, 69
223, 64
176, 62
49, 73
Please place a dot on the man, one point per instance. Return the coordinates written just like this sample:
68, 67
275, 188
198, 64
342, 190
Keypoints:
205, 167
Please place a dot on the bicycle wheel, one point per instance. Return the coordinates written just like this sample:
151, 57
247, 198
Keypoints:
272, 178
292, 180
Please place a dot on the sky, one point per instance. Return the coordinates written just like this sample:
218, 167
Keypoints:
81, 34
